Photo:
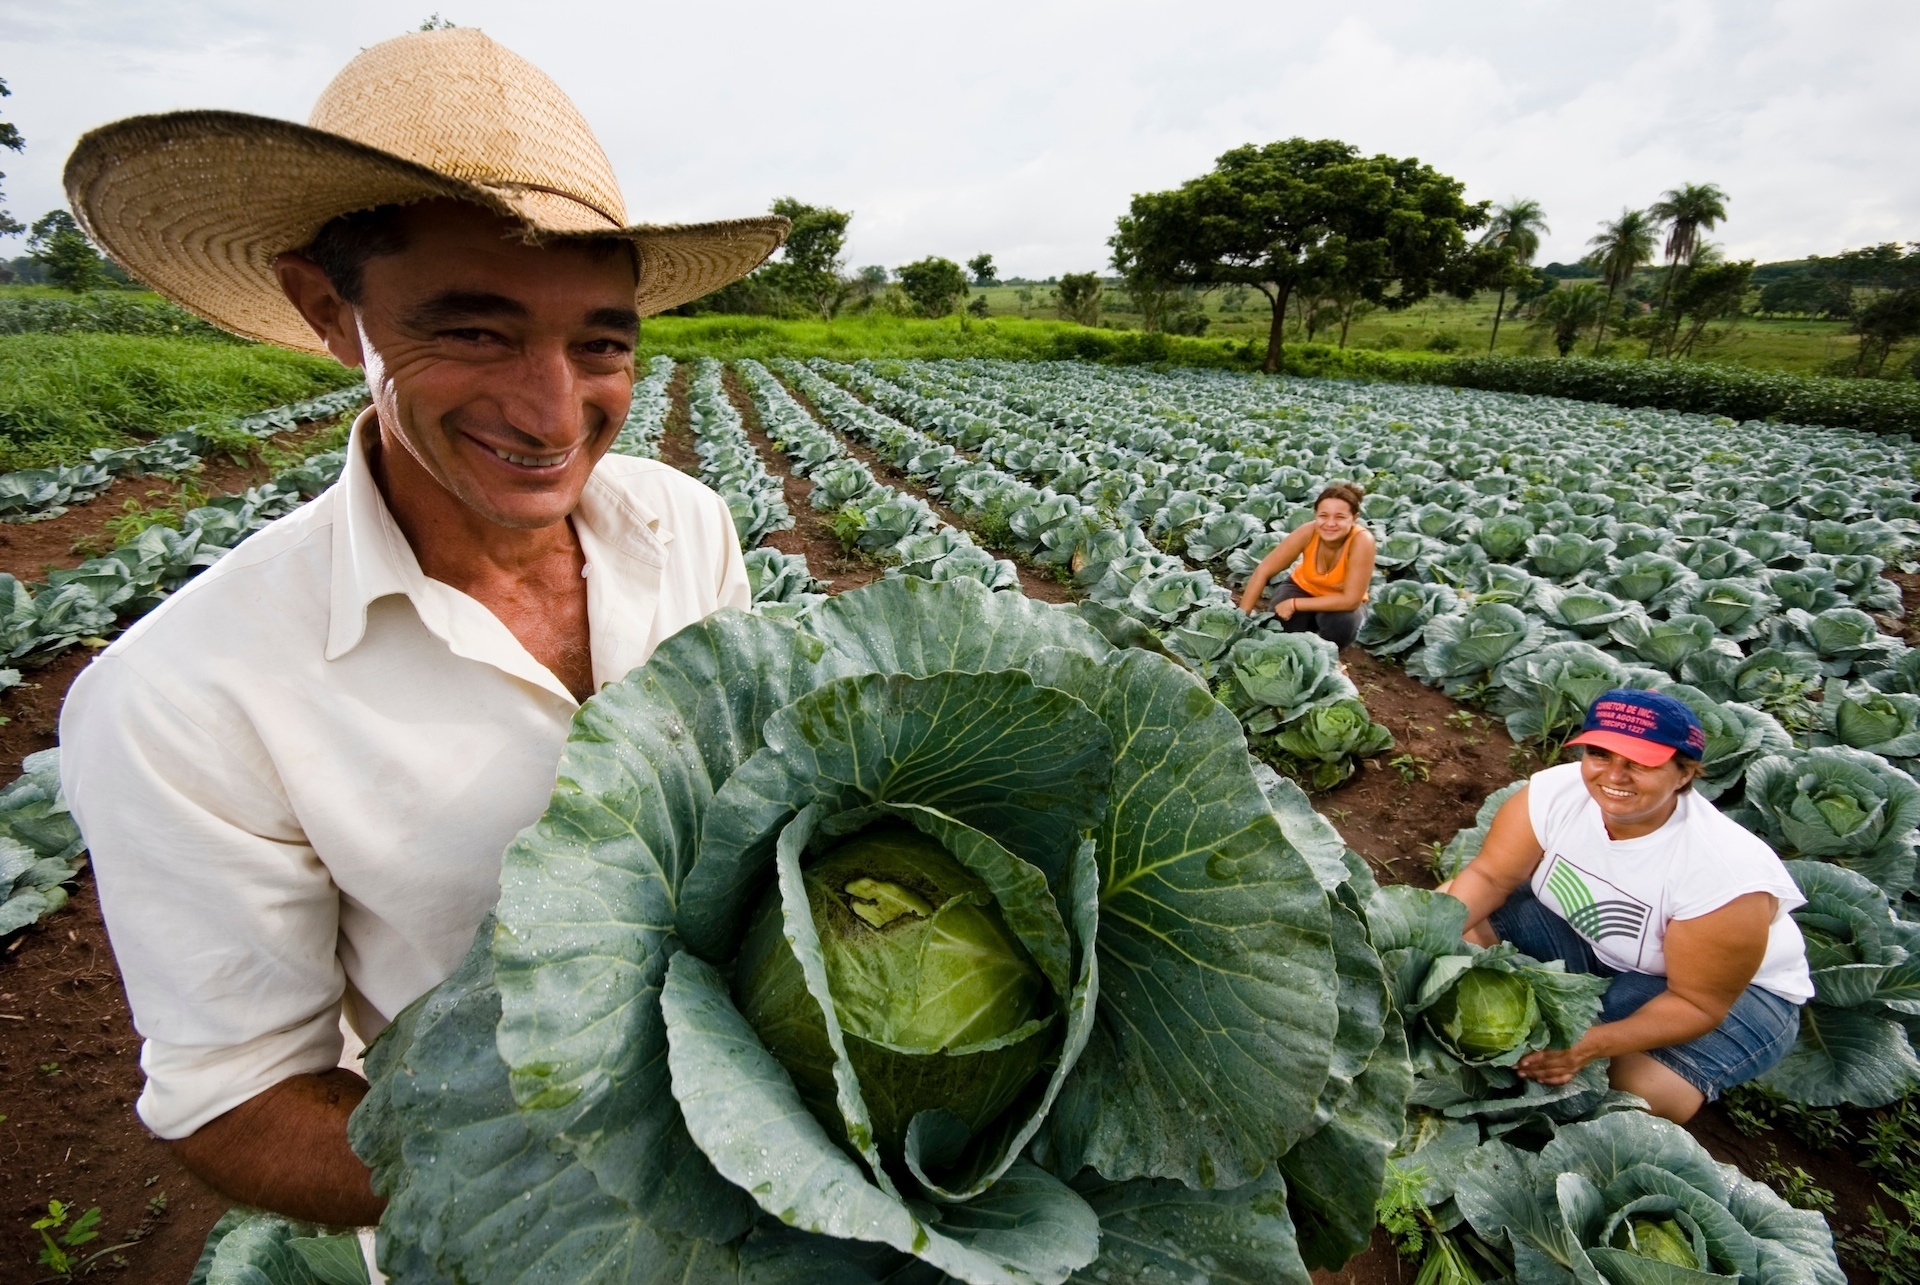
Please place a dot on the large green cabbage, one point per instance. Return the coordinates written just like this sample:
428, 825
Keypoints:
1853, 1045
1461, 652
1630, 1199
677, 1058
1841, 805
1273, 678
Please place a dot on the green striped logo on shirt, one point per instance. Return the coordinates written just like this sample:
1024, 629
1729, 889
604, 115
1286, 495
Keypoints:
1592, 917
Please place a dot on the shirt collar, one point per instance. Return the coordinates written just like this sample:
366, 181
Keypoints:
621, 537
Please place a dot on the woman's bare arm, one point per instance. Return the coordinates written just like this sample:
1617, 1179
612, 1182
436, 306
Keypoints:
1353, 591
1711, 959
1273, 564
1507, 860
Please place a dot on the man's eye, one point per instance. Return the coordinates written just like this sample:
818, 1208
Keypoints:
469, 335
607, 348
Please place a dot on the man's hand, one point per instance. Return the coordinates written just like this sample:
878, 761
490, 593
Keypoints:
285, 1150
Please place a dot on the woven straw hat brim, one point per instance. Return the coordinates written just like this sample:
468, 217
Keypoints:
198, 204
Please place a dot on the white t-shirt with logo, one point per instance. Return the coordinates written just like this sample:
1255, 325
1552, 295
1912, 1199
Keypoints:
1620, 895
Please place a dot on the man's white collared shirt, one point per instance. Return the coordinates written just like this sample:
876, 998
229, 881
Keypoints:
298, 775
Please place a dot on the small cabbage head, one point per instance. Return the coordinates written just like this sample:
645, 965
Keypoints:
1661, 1239
941, 1005
1486, 1014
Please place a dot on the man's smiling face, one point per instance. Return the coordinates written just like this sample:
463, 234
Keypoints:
504, 369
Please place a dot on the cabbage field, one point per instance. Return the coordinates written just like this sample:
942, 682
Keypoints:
928, 931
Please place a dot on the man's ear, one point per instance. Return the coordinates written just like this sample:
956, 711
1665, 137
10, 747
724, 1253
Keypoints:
331, 317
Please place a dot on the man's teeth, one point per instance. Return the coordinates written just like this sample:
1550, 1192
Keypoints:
1618, 794
530, 461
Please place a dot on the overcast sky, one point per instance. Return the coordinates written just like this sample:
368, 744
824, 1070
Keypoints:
1023, 128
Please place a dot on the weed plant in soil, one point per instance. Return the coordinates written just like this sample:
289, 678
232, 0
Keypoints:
63, 395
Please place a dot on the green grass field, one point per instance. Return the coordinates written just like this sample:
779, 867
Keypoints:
1801, 345
63, 395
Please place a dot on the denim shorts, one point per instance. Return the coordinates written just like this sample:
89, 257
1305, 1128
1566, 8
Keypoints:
1756, 1033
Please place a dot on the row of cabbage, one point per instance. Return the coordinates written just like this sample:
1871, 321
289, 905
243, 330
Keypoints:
901, 530
1289, 690
39, 494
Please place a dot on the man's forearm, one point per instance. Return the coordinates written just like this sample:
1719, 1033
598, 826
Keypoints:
285, 1150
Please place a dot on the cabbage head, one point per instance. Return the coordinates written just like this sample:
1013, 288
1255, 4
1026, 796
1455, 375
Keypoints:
1632, 1199
1407, 550
1461, 652
1715, 559
1544, 694
1841, 805
1771, 677
1503, 582
1843, 640
1563, 557
1164, 598
872, 949
1853, 1046
1398, 610
1504, 537
1644, 577
774, 576
1774, 548
841, 483
1323, 743
1468, 1006
1738, 608
1812, 589
1273, 678
1203, 637
1737, 735
1670, 643
1582, 610
1883, 723
1630, 538
1221, 534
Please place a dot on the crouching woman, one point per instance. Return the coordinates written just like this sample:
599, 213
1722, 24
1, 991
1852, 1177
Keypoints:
1614, 865
1332, 566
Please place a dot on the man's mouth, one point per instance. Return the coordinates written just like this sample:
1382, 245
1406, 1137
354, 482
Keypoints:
533, 461
1610, 792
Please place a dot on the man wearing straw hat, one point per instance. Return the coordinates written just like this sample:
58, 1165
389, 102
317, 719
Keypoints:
297, 776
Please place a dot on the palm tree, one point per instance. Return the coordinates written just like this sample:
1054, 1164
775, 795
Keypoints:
1621, 248
1516, 226
1687, 211
1565, 312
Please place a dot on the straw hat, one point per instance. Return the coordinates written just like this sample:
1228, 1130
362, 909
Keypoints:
197, 204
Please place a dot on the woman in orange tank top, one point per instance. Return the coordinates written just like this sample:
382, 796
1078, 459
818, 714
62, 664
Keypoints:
1332, 566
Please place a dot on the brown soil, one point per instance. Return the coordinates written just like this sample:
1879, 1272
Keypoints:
1444, 762
69, 1072
676, 439
1906, 625
811, 534
28, 550
1035, 582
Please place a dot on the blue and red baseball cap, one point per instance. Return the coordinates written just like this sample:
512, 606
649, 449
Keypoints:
1647, 727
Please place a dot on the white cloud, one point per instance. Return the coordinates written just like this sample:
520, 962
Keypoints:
1023, 128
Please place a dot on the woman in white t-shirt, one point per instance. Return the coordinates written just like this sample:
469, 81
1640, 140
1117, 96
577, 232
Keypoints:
1614, 865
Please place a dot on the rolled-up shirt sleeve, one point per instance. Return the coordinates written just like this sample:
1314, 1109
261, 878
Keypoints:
223, 920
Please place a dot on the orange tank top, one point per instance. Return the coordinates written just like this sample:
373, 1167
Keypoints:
1323, 584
